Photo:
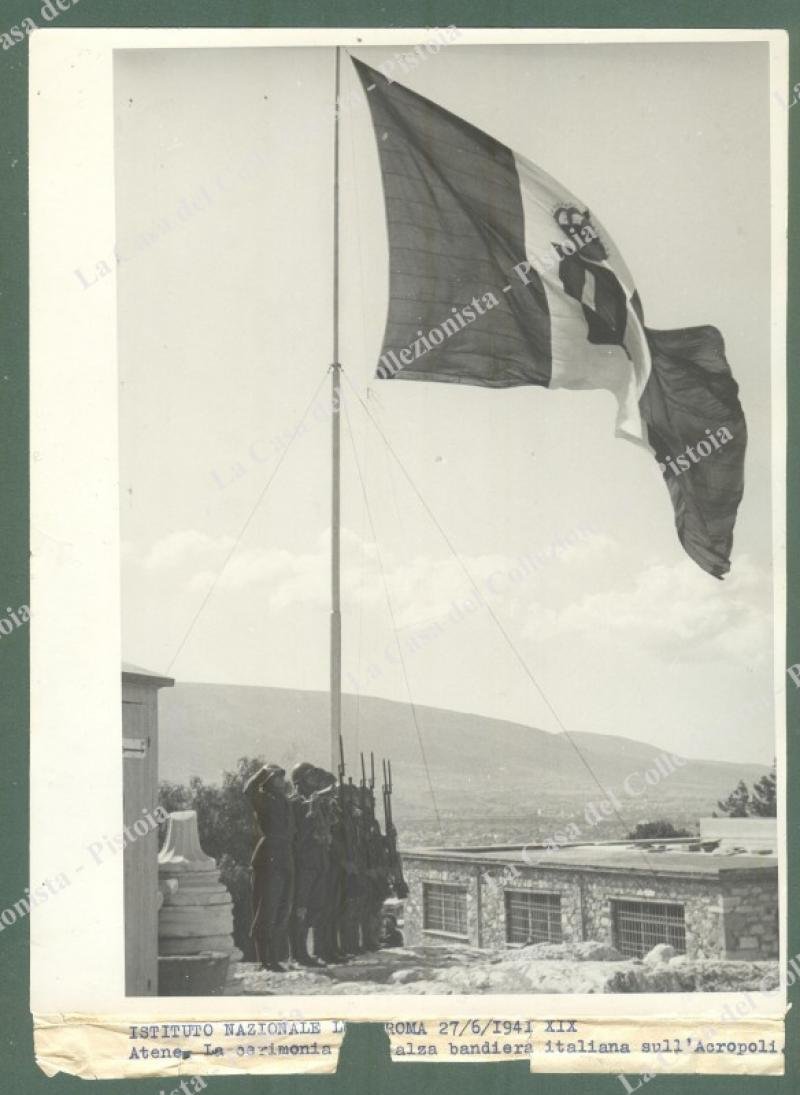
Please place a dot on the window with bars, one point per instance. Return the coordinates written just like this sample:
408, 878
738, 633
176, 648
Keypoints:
444, 908
640, 925
533, 917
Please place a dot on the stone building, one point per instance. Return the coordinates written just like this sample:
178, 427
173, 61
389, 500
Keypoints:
712, 897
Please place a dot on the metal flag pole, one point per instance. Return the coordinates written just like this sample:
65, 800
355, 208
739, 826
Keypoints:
336, 616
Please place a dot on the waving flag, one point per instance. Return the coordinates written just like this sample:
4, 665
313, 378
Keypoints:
499, 276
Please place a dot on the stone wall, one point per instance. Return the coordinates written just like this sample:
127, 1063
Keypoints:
699, 897
750, 917
418, 871
734, 917
495, 881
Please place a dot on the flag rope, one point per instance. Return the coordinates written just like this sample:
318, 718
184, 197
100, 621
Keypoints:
498, 623
246, 525
411, 703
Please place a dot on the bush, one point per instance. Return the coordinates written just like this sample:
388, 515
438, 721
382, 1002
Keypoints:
237, 879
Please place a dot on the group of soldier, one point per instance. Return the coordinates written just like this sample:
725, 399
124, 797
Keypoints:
321, 870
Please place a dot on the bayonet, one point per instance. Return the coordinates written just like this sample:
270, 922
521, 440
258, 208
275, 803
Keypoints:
400, 887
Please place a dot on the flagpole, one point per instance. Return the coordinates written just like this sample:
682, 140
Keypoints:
336, 616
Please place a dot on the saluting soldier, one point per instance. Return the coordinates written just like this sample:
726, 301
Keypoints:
312, 841
326, 930
272, 865
354, 871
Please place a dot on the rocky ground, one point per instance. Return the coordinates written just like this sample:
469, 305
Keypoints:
542, 968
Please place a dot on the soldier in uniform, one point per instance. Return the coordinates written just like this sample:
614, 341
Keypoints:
329, 945
272, 865
312, 844
354, 871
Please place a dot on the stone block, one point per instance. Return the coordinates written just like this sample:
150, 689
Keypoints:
662, 952
196, 916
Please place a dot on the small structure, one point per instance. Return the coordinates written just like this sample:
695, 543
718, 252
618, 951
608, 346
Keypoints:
195, 923
758, 835
705, 897
140, 690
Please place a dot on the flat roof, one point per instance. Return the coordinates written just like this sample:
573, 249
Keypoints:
132, 672
623, 856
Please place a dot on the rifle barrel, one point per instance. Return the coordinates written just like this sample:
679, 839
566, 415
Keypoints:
388, 794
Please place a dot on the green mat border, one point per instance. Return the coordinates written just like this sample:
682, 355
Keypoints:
364, 1065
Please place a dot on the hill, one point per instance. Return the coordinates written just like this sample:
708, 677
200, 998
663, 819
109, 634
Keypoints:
488, 776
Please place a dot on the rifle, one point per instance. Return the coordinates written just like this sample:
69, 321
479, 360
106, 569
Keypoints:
367, 799
400, 887
387, 801
341, 760
340, 774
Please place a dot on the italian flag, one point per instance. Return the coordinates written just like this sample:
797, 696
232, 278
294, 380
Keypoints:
499, 276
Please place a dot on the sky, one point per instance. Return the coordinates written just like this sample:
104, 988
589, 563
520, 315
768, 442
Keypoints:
224, 225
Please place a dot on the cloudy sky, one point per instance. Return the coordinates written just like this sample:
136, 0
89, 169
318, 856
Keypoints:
224, 225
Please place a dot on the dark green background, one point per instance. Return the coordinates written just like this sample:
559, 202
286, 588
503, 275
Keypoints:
364, 1066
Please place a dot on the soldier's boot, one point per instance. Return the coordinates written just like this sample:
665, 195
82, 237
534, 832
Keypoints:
377, 924
350, 937
359, 947
299, 940
279, 949
263, 956
322, 942
275, 954
344, 940
368, 933
318, 958
340, 938
295, 948
329, 948
337, 939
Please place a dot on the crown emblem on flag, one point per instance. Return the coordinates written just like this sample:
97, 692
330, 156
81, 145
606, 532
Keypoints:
578, 228
570, 219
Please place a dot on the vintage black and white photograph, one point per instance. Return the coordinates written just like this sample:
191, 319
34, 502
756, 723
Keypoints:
450, 497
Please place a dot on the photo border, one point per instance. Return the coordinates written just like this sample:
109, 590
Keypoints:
366, 1046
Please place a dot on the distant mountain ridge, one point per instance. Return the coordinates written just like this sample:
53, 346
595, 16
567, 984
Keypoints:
478, 766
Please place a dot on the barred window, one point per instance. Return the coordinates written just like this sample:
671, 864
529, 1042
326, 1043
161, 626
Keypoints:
533, 917
641, 925
444, 908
